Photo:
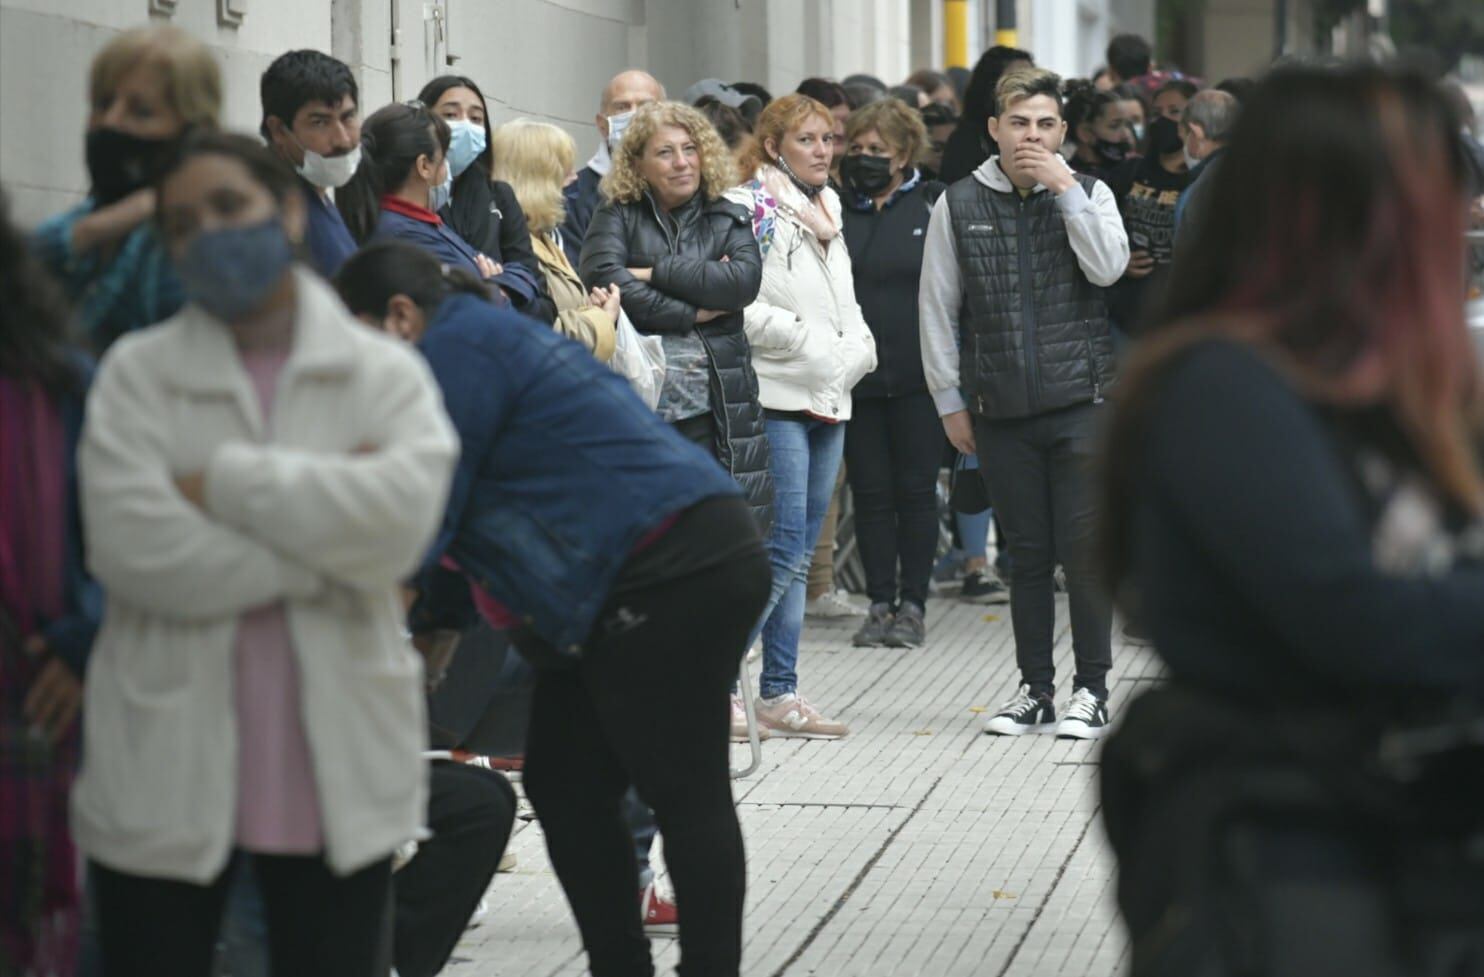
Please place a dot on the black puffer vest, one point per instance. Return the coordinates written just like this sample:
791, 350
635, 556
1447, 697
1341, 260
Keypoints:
1035, 331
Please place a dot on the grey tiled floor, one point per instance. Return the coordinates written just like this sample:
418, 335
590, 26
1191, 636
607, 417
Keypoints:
915, 846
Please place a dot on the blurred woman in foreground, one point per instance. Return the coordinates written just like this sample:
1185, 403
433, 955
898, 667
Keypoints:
1295, 507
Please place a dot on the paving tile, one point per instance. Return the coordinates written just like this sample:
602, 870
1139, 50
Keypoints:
915, 846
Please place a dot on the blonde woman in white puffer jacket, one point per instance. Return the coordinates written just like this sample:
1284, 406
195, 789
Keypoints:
810, 346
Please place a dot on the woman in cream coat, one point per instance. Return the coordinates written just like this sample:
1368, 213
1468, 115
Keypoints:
810, 346
258, 474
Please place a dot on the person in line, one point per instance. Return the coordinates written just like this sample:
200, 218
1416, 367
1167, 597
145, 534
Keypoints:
730, 124
940, 121
686, 264
936, 86
1028, 389
146, 89
621, 98
404, 181
909, 95
49, 612
833, 96
483, 210
1102, 138
1147, 189
1129, 58
810, 346
533, 159
1207, 124
312, 119
967, 148
1135, 106
748, 106
231, 461
1171, 98
643, 603
1294, 504
893, 443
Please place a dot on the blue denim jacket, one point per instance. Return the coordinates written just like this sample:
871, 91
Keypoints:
563, 471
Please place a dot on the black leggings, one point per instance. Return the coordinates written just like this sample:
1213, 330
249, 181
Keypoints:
647, 705
893, 446
319, 924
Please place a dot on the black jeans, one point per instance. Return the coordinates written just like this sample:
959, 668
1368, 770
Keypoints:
647, 705
319, 924
892, 449
1038, 472
470, 813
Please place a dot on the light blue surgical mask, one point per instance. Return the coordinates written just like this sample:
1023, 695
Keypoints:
466, 142
230, 272
439, 196
617, 125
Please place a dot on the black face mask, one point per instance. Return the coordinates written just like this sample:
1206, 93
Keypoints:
866, 175
1164, 136
119, 163
1111, 152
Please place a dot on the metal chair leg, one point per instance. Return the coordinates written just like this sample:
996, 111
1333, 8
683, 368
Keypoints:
749, 707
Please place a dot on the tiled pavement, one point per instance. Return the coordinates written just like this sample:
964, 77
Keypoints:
915, 847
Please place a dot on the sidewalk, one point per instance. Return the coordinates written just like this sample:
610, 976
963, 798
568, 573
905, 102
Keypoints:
916, 847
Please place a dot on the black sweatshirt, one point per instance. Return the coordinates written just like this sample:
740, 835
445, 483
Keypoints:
1253, 551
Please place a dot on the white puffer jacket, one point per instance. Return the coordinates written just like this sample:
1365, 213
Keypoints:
810, 343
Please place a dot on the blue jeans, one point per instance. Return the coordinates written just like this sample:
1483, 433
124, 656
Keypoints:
804, 464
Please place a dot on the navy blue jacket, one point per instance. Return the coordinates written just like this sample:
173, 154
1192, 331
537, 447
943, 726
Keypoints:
583, 198
329, 239
563, 471
444, 243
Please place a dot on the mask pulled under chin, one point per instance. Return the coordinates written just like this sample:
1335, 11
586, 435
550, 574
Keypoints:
807, 189
231, 271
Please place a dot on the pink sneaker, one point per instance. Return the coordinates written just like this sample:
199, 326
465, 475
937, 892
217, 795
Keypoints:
739, 722
661, 918
792, 715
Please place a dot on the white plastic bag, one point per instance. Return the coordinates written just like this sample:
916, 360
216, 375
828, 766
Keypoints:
640, 360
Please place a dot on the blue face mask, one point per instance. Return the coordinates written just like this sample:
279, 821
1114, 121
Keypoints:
466, 142
231, 271
439, 196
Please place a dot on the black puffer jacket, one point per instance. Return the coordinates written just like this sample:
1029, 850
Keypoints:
684, 248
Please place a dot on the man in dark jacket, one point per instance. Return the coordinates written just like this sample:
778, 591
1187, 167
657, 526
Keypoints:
1013, 269
623, 95
1207, 123
311, 119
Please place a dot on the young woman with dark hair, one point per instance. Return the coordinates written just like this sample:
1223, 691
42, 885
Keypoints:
639, 605
484, 211
1294, 508
1098, 125
259, 473
969, 146
49, 611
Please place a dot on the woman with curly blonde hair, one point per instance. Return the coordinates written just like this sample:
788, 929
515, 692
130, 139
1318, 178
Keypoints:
686, 264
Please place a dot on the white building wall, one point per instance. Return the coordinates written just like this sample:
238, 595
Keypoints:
543, 58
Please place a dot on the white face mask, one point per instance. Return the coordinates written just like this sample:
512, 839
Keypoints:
1190, 161
329, 172
617, 124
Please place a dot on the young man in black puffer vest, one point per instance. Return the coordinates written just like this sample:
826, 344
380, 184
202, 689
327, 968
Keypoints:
1018, 354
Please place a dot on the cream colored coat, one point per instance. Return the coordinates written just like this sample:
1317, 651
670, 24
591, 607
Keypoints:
326, 509
810, 343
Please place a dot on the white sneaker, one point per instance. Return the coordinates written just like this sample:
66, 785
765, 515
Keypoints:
480, 912
1085, 717
1026, 713
833, 605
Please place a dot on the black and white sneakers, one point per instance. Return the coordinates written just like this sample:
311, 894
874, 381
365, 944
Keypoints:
1084, 718
1026, 713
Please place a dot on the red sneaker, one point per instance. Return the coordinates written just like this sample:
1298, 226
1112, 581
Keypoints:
660, 915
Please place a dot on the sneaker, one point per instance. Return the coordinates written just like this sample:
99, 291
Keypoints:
908, 630
739, 722
981, 588
1085, 718
792, 715
832, 605
878, 623
660, 916
1026, 713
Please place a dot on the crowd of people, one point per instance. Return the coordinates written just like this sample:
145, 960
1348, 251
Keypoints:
418, 375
